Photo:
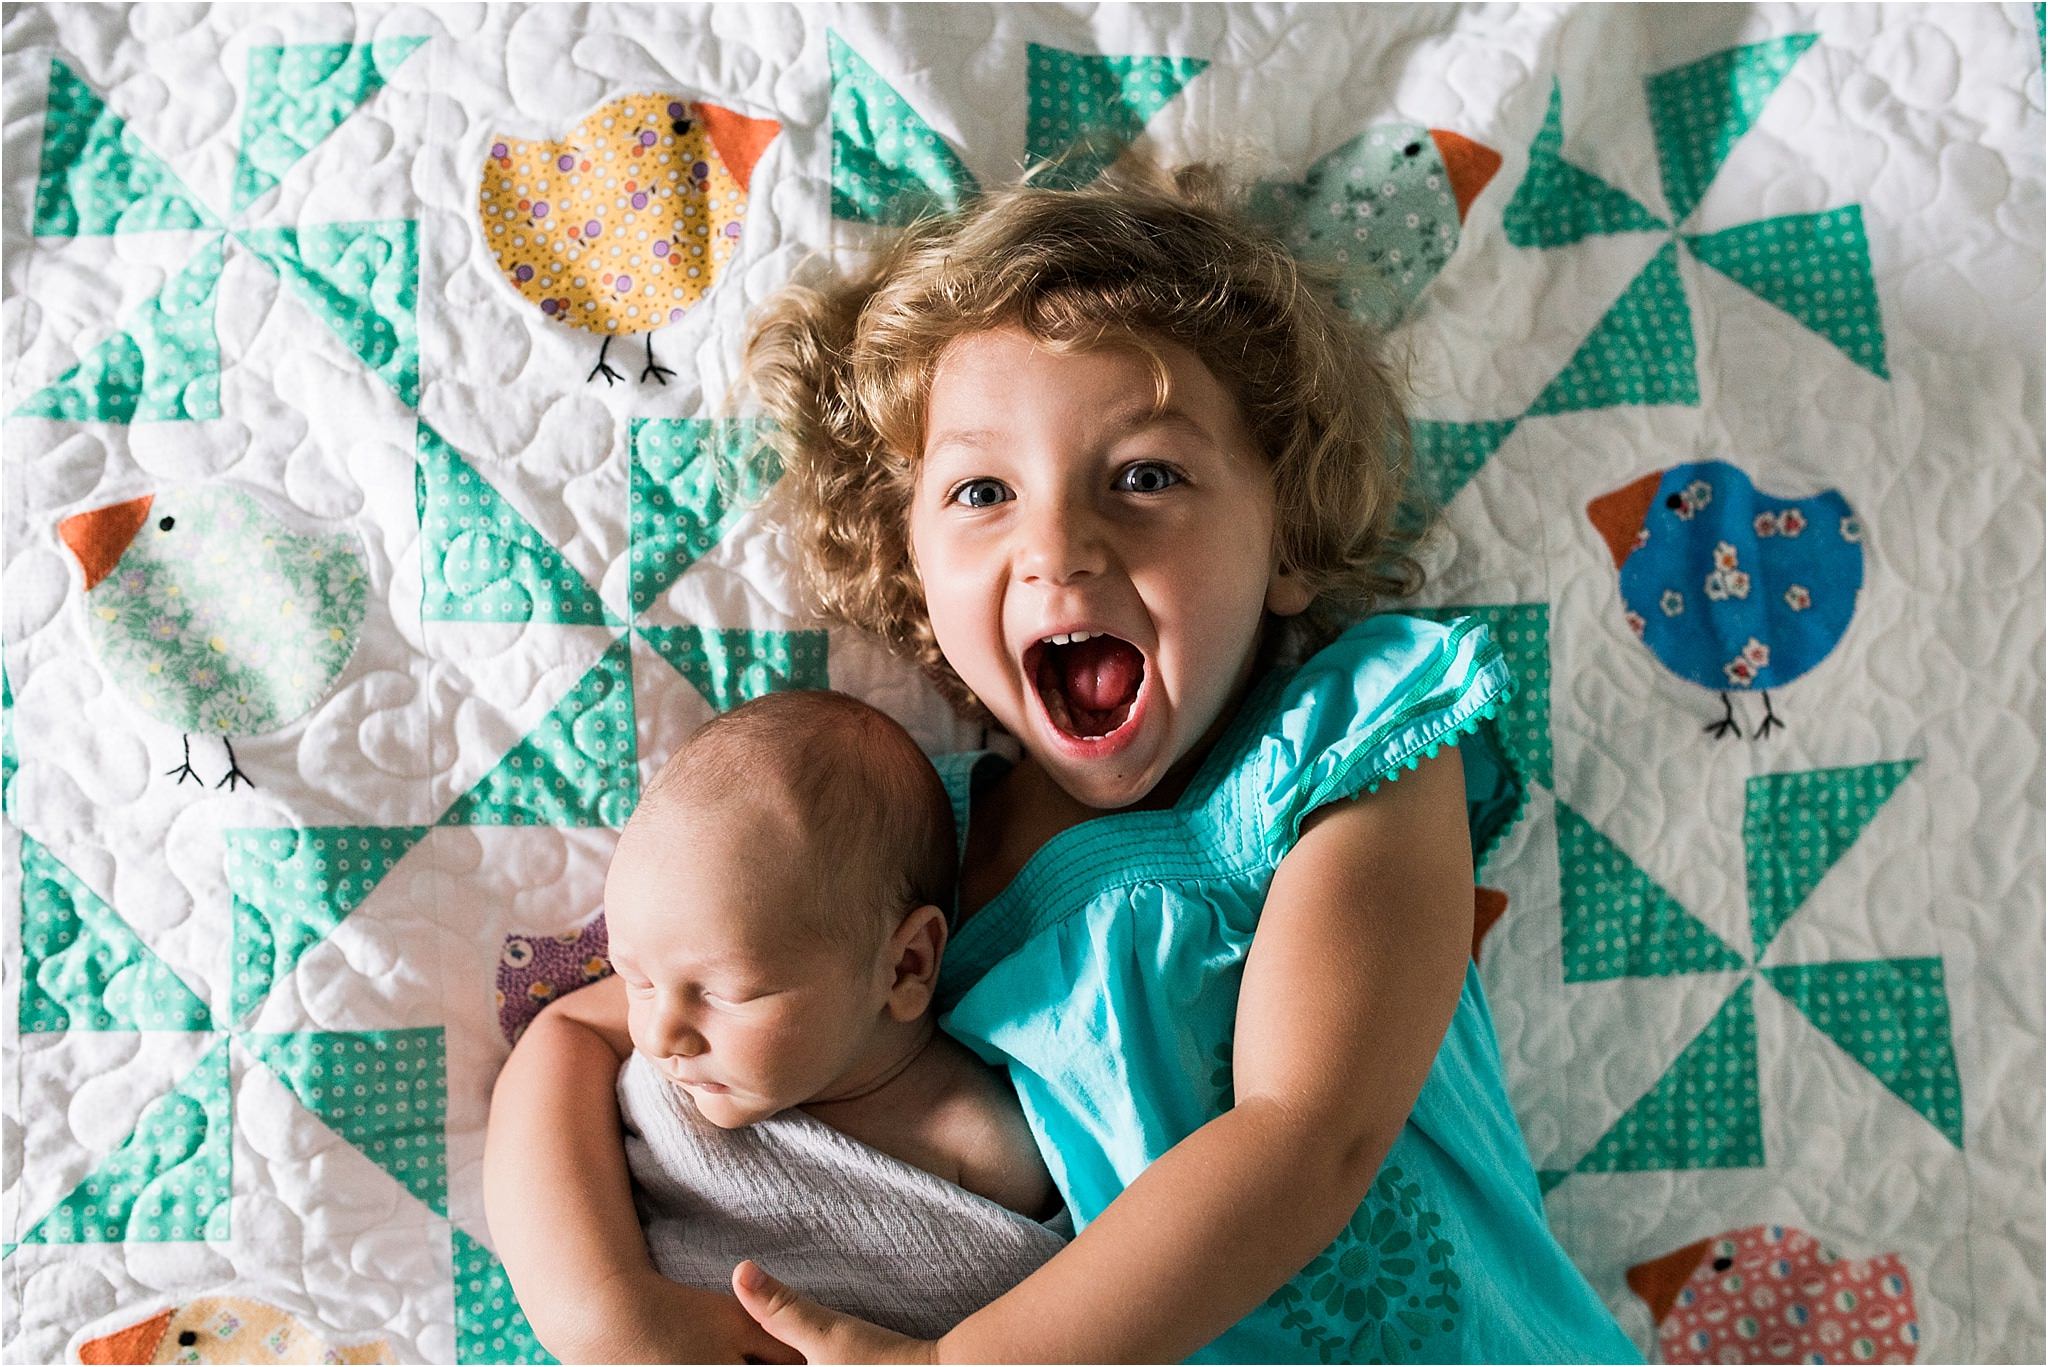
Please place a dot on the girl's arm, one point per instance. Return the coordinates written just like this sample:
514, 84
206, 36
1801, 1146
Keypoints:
560, 1204
1349, 987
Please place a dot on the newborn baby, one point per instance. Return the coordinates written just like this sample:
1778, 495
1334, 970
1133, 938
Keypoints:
775, 916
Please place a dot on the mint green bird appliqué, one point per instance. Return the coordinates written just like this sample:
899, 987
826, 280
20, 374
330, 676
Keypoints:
214, 617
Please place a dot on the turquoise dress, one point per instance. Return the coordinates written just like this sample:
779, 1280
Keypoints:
1105, 978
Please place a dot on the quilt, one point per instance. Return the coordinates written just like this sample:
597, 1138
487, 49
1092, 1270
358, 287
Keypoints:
353, 584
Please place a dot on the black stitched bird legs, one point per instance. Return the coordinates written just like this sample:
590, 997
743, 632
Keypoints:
611, 377
659, 372
234, 770
1770, 718
184, 771
1721, 728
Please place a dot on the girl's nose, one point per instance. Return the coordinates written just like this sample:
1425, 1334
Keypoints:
1060, 544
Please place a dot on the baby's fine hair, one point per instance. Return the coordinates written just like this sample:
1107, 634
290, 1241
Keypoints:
845, 369
878, 825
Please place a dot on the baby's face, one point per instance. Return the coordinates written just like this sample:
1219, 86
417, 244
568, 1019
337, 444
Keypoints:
1048, 501
747, 1018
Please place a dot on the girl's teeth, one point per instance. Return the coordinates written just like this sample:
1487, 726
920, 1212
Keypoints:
1072, 638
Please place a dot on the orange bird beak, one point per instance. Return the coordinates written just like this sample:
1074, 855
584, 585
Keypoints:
740, 140
1471, 164
97, 538
1660, 1280
1619, 515
136, 1343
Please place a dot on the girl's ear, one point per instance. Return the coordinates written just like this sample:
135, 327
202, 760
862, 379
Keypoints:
914, 952
1288, 593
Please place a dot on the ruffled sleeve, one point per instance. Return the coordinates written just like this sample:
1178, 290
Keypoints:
1381, 698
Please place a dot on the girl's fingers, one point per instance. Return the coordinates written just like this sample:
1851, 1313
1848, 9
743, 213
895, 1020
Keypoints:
819, 1333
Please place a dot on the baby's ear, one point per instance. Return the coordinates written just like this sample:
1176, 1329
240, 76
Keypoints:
916, 949
1288, 593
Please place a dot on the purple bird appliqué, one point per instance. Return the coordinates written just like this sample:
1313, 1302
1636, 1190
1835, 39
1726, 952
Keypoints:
1729, 587
535, 969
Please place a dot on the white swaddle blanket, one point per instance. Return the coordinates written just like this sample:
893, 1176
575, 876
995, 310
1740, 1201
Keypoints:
844, 1223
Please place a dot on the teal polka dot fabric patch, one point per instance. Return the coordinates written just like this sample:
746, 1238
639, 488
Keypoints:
164, 366
297, 95
728, 667
691, 477
83, 968
575, 768
1558, 203
489, 1325
1640, 353
292, 887
168, 1182
96, 175
1618, 923
384, 1091
1085, 109
362, 281
888, 165
1706, 1111
1815, 267
1702, 109
481, 560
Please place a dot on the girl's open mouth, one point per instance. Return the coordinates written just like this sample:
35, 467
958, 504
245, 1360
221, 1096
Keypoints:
1088, 686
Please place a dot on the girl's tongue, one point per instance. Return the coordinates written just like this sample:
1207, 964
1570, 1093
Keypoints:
1089, 686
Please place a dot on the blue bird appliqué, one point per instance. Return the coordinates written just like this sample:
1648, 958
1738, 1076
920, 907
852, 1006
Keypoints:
1729, 587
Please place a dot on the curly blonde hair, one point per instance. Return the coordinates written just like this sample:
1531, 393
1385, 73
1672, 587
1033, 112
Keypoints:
1144, 254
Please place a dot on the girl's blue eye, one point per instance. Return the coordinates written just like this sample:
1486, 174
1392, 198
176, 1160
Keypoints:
1147, 477
980, 493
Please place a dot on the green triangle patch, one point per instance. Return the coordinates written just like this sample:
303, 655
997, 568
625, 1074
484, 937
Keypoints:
1815, 267
1796, 825
170, 1179
97, 177
1448, 454
483, 562
384, 1091
292, 886
1557, 203
730, 667
1700, 111
577, 768
82, 968
1891, 1016
691, 478
489, 1325
163, 367
1522, 631
888, 165
1640, 353
1705, 1112
1547, 1179
9, 761
1617, 922
297, 95
1084, 109
362, 280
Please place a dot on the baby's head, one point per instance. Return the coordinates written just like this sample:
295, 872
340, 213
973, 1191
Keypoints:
1117, 409
774, 905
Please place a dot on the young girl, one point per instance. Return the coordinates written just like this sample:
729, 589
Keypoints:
1106, 465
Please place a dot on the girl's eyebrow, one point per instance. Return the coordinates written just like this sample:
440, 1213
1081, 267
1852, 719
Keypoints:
1116, 427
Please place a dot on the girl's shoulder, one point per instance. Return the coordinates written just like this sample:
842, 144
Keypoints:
1388, 693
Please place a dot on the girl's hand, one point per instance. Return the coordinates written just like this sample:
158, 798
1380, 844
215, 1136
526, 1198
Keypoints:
821, 1335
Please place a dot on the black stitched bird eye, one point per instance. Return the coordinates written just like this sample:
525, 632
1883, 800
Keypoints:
1674, 502
1413, 149
1723, 1264
679, 127
187, 1339
164, 524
